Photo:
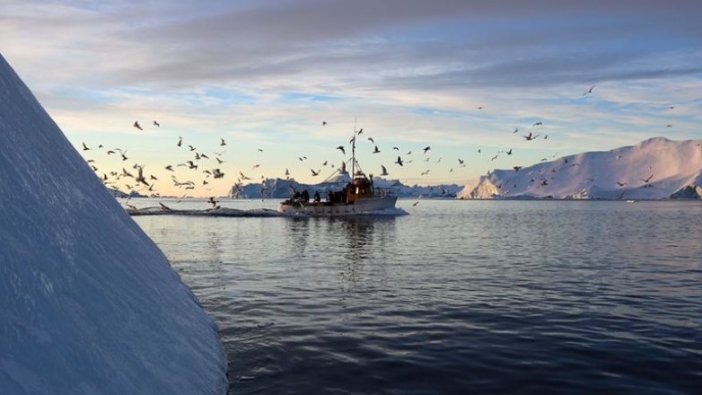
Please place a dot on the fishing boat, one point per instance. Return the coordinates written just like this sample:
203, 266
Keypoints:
345, 194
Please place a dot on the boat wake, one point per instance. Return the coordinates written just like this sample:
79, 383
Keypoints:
388, 212
263, 212
220, 212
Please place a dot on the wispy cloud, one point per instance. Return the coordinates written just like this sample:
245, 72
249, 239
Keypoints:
412, 71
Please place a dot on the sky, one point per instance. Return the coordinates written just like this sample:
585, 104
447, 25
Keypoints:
459, 76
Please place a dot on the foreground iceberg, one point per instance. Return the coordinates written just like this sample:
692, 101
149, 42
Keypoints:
89, 303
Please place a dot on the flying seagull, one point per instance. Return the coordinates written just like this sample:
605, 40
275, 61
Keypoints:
426, 149
158, 125
530, 137
136, 125
213, 202
341, 148
385, 171
140, 176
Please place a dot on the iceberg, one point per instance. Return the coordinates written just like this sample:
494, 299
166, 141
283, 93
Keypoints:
657, 168
278, 188
90, 305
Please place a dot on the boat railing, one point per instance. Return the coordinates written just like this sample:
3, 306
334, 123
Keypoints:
383, 192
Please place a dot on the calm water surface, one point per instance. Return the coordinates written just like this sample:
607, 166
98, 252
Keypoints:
457, 297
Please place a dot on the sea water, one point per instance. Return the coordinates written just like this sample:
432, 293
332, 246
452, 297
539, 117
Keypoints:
457, 297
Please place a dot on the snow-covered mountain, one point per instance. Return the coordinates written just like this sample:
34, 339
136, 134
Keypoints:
90, 305
656, 168
278, 188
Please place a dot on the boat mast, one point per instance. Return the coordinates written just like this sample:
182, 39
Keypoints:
353, 151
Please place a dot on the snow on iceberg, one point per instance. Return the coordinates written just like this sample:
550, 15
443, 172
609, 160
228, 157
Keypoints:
656, 168
90, 305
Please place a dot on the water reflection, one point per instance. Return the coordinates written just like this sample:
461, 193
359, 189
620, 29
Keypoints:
357, 235
299, 233
355, 247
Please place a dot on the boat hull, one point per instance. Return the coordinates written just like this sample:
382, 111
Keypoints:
361, 206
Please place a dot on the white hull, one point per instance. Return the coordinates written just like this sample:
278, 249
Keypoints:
361, 206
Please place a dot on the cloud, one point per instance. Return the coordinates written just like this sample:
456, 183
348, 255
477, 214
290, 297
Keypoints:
411, 71
339, 44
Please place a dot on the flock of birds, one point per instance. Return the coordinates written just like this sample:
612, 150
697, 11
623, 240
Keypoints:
540, 176
199, 169
132, 180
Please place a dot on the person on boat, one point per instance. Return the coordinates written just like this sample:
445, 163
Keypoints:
305, 197
317, 198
